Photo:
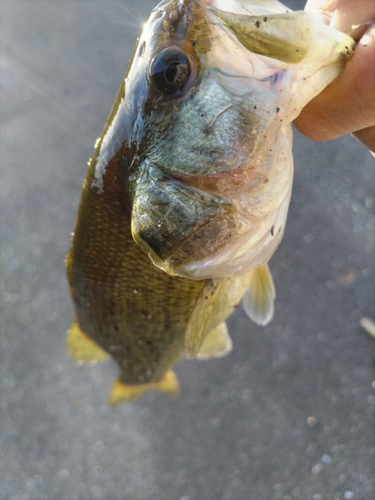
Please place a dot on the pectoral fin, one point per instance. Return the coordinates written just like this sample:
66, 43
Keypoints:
81, 348
124, 392
217, 344
258, 301
368, 325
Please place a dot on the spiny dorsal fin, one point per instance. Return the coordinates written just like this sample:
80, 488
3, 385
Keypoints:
123, 392
217, 344
258, 301
81, 348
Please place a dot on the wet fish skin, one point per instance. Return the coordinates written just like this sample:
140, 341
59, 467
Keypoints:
170, 173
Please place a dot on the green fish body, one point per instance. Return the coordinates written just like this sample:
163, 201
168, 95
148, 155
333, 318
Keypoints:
186, 196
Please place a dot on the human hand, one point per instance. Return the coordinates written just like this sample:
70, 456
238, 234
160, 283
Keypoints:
348, 104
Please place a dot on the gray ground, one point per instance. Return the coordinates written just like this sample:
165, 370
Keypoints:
239, 428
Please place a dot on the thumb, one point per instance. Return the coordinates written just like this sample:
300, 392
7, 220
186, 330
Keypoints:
348, 104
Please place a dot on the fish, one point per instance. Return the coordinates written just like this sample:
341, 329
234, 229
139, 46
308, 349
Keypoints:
187, 193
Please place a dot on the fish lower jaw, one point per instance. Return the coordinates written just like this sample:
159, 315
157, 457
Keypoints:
234, 261
209, 269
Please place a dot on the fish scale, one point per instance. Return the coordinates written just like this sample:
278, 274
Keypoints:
115, 303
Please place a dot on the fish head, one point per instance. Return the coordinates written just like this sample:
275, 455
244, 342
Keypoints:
206, 105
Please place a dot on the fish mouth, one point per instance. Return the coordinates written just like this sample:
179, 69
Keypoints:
178, 225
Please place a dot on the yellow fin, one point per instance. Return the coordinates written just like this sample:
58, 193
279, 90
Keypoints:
368, 325
81, 348
198, 324
258, 301
217, 344
169, 383
123, 392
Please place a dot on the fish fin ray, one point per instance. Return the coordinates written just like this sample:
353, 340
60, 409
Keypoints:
121, 392
217, 343
258, 301
81, 348
169, 383
368, 325
199, 320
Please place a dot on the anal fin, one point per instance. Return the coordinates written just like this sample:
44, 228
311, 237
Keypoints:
81, 348
124, 392
258, 301
217, 344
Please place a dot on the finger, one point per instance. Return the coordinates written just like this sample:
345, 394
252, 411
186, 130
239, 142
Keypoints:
348, 104
350, 17
367, 137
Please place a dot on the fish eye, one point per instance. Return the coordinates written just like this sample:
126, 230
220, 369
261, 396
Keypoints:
169, 71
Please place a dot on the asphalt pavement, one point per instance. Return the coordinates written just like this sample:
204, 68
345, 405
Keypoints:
288, 415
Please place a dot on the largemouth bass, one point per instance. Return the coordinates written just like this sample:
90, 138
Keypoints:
187, 193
